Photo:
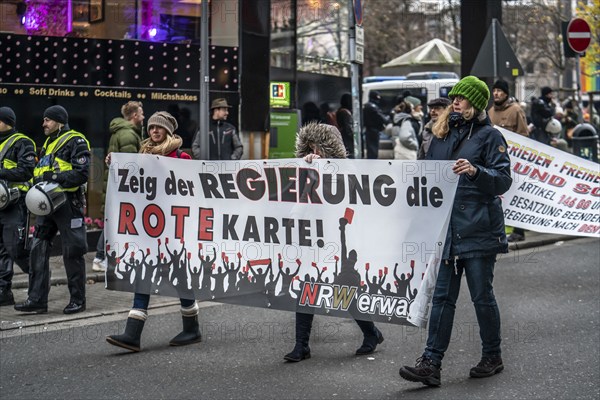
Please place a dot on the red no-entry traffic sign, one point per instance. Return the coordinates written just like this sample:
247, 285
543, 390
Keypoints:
579, 35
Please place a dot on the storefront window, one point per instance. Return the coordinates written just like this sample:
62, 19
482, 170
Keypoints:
150, 20
322, 36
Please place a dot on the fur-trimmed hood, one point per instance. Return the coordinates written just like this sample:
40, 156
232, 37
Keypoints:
326, 137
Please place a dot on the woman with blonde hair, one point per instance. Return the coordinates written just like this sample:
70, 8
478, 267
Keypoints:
163, 142
476, 231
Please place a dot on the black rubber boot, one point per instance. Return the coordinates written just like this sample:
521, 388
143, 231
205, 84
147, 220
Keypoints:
301, 350
190, 334
372, 337
130, 339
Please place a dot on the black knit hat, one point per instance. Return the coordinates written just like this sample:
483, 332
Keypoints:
502, 85
374, 96
7, 115
546, 90
57, 113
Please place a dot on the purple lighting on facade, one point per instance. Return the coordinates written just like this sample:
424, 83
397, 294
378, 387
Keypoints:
35, 16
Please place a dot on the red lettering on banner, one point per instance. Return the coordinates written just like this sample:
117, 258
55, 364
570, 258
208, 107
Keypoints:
582, 188
126, 217
180, 213
589, 228
149, 211
558, 181
309, 292
205, 228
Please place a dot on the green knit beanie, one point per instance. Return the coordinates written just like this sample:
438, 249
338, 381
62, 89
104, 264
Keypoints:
473, 89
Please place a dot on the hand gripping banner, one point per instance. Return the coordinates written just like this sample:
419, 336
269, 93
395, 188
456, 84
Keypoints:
336, 237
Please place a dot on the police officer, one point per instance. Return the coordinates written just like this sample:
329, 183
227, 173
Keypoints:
17, 159
64, 159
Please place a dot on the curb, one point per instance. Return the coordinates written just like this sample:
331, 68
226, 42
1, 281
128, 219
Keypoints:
60, 280
541, 242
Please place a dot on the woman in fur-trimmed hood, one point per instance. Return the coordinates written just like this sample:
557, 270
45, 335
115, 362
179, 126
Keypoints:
316, 140
323, 140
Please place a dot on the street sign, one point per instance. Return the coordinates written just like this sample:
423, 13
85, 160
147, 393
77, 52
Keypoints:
360, 35
358, 12
360, 54
579, 35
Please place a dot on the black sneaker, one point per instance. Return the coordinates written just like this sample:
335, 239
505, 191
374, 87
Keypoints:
488, 366
424, 371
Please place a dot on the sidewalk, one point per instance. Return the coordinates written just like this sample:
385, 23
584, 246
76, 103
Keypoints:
101, 302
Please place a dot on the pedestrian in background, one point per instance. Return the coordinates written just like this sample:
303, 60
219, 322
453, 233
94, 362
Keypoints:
508, 114
125, 137
435, 108
375, 121
64, 159
475, 233
316, 141
162, 141
345, 123
223, 140
543, 110
17, 160
402, 131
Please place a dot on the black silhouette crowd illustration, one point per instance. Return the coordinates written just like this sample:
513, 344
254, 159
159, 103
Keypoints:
170, 270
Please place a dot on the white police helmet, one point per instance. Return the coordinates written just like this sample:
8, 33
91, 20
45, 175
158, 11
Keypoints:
45, 198
8, 195
553, 126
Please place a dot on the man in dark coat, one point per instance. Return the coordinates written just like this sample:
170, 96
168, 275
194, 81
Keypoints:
375, 121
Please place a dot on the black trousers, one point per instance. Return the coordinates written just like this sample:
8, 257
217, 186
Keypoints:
304, 327
68, 220
13, 236
372, 139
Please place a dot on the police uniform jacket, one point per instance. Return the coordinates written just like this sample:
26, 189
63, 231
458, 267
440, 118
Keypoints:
22, 152
75, 151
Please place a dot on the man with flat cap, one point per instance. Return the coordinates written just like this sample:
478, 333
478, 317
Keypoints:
436, 107
224, 142
17, 159
64, 159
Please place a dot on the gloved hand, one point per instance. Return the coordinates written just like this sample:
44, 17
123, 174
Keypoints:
51, 176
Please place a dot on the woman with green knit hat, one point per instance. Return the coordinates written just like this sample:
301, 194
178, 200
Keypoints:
476, 231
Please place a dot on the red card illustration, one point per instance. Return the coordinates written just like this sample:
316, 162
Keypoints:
349, 215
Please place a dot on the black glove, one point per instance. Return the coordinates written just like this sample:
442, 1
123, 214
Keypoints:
51, 176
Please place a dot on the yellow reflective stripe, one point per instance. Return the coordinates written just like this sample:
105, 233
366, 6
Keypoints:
58, 164
10, 164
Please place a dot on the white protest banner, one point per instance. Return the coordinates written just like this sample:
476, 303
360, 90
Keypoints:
552, 191
337, 237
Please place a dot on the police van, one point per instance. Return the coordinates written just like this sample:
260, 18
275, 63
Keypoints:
424, 89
